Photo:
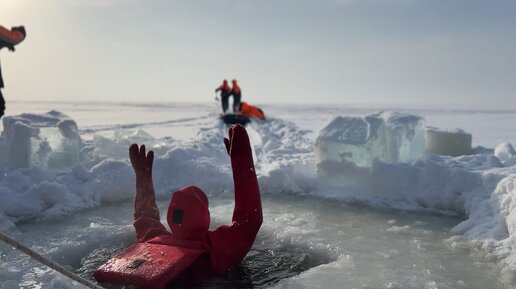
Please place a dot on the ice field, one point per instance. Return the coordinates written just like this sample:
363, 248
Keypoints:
432, 222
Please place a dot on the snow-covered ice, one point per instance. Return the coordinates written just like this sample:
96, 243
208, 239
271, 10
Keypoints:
49, 140
346, 148
505, 153
429, 222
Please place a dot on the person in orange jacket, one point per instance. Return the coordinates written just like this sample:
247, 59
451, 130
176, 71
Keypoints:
9, 39
189, 218
225, 92
236, 92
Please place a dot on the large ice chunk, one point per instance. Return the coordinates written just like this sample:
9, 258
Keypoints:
448, 142
346, 148
49, 140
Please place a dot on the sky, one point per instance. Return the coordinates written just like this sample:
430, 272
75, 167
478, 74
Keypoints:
280, 51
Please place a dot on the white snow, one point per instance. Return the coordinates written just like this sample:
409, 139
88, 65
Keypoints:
50, 173
505, 153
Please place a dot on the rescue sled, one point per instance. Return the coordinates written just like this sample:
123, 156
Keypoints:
251, 111
232, 118
149, 266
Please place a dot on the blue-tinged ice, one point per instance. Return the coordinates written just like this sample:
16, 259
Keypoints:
50, 140
346, 148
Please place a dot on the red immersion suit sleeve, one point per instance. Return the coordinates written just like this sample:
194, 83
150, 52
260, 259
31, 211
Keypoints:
230, 244
146, 214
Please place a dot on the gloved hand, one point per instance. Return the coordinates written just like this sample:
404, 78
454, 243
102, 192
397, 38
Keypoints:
142, 164
239, 149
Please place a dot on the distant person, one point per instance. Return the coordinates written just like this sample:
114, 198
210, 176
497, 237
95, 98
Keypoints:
236, 92
189, 220
9, 38
225, 92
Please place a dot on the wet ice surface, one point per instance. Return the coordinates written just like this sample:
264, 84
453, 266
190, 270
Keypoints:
305, 242
388, 249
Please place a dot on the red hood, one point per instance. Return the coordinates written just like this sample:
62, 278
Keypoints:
188, 215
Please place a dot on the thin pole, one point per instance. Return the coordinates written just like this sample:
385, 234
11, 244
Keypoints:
36, 256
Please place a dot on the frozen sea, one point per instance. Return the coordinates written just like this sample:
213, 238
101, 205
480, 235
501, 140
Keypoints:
440, 222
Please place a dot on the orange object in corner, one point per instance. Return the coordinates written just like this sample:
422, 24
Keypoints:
13, 36
251, 111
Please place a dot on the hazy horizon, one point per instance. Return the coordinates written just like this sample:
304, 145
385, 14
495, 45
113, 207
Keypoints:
305, 51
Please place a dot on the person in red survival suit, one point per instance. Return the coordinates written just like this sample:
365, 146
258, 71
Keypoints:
237, 95
188, 216
225, 92
9, 38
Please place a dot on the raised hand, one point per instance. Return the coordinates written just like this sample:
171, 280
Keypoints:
146, 213
142, 163
239, 148
247, 215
